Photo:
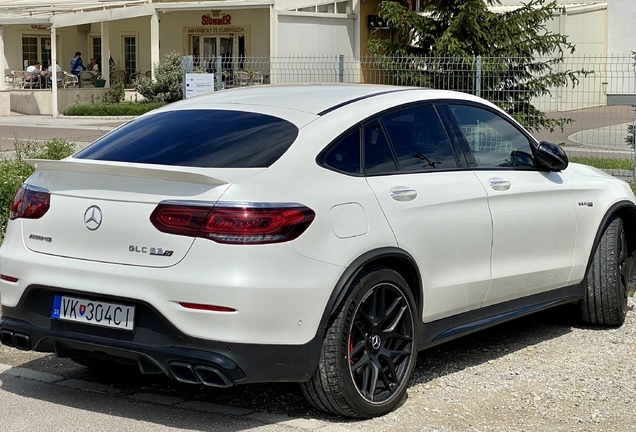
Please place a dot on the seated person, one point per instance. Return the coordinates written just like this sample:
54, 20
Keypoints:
59, 74
93, 66
38, 75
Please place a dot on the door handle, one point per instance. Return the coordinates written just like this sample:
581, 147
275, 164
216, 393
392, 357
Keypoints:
499, 184
403, 194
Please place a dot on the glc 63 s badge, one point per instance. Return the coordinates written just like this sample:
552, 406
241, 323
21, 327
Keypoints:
150, 250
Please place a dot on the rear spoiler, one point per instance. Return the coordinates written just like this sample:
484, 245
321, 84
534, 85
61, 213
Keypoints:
155, 172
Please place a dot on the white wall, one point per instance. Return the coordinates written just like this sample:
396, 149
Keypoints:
622, 26
299, 35
309, 48
586, 29
621, 35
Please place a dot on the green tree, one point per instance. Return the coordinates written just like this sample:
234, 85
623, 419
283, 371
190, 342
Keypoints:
168, 84
439, 47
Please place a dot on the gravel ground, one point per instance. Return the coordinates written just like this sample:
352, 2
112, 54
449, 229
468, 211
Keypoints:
539, 373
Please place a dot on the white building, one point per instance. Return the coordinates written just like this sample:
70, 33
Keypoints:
136, 34
604, 36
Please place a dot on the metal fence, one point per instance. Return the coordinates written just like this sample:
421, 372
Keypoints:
597, 103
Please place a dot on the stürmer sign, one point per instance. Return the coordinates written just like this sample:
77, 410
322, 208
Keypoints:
214, 21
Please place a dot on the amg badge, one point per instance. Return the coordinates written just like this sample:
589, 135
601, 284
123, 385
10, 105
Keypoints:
150, 250
41, 238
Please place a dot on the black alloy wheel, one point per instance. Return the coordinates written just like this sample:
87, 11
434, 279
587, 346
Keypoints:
381, 342
370, 348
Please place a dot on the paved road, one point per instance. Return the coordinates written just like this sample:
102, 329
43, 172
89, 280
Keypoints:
30, 404
594, 132
44, 128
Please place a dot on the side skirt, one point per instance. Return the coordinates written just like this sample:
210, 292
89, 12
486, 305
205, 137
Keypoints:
446, 329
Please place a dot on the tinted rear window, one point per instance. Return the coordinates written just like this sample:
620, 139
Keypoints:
197, 138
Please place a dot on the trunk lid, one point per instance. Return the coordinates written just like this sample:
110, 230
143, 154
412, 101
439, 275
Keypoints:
99, 211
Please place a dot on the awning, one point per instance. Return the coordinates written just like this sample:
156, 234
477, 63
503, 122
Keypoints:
40, 12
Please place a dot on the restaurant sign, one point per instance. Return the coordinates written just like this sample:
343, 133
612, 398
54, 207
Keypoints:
208, 20
216, 30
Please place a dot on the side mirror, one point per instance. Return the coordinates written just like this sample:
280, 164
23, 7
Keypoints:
550, 156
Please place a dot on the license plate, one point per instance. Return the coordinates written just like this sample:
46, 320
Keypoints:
93, 312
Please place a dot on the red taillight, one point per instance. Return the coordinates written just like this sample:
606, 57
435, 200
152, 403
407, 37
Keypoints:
232, 224
30, 203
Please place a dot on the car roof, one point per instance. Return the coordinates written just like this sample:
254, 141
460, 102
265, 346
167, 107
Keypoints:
314, 99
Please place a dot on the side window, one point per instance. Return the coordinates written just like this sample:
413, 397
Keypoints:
419, 139
345, 154
377, 154
493, 140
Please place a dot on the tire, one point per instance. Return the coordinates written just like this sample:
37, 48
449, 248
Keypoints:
605, 301
370, 349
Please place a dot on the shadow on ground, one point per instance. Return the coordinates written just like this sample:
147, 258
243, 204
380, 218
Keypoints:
286, 398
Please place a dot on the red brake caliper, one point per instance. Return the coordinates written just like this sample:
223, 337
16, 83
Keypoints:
350, 347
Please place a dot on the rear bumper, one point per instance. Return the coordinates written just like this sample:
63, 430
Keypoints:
156, 345
278, 295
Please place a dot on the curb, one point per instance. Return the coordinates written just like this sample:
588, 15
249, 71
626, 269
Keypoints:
98, 117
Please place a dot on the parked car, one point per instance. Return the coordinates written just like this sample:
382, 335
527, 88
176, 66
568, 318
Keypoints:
320, 234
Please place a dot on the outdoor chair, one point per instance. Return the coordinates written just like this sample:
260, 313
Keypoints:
86, 79
257, 78
9, 78
18, 79
70, 80
117, 74
241, 78
31, 80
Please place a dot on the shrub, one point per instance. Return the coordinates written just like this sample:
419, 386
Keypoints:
168, 84
617, 164
116, 109
14, 171
115, 93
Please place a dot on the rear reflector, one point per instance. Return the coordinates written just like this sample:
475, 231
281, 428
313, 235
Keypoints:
234, 224
8, 278
212, 308
30, 203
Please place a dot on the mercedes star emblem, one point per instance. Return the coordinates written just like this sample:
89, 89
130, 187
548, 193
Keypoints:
93, 217
375, 341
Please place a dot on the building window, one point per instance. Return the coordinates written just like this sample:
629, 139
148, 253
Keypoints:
130, 55
29, 51
341, 7
35, 48
96, 48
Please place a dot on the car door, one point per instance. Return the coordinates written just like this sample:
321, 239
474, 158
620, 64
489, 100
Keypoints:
438, 211
533, 210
